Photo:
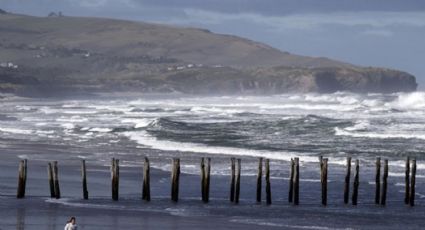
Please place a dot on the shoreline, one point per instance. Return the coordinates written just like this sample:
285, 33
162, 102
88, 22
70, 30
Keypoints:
130, 212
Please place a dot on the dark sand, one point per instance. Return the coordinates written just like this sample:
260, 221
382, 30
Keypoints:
38, 211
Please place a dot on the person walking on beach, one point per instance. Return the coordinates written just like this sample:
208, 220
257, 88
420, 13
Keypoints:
71, 225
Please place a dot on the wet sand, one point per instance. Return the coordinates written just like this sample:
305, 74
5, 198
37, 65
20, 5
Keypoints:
38, 211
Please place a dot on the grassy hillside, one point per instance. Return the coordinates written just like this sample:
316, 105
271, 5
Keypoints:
96, 54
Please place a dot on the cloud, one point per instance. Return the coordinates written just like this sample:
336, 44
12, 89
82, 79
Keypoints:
285, 7
90, 3
101, 3
308, 21
379, 33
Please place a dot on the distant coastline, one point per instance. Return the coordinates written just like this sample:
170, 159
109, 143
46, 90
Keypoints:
57, 56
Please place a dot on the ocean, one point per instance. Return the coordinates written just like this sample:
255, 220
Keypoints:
162, 127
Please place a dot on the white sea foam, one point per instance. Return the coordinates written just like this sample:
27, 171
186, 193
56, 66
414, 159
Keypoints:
16, 130
48, 110
114, 108
277, 223
101, 130
342, 132
79, 111
399, 163
68, 126
72, 119
139, 122
199, 109
23, 108
143, 138
71, 104
334, 107
360, 125
394, 174
404, 101
45, 132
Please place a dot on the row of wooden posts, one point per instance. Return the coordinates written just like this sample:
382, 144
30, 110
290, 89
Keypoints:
294, 180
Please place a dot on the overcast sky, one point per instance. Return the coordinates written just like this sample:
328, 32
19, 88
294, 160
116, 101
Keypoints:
387, 33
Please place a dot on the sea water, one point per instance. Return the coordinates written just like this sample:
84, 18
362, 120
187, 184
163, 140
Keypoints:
279, 127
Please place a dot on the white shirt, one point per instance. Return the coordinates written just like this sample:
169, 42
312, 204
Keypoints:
70, 226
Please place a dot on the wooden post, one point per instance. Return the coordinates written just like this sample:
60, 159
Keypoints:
238, 181
347, 181
412, 184
84, 180
407, 181
207, 180
297, 181
291, 181
175, 176
203, 178
117, 170
56, 180
259, 178
21, 180
378, 181
50, 177
384, 183
268, 186
232, 179
324, 179
356, 184
115, 178
25, 175
146, 193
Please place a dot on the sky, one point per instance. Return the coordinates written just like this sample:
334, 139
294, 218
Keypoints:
384, 33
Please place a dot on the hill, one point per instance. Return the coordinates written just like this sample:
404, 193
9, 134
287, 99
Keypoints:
56, 55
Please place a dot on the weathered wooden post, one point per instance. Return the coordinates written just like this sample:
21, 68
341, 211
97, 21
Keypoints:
297, 181
412, 184
146, 193
259, 178
268, 186
50, 178
238, 181
207, 180
115, 178
347, 181
384, 183
21, 180
378, 181
407, 181
324, 179
175, 176
25, 174
117, 172
232, 179
84, 180
356, 184
291, 181
203, 178
56, 180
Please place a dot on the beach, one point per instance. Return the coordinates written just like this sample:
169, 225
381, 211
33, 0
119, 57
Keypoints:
69, 131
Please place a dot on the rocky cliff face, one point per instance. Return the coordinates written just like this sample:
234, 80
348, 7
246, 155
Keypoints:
52, 56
